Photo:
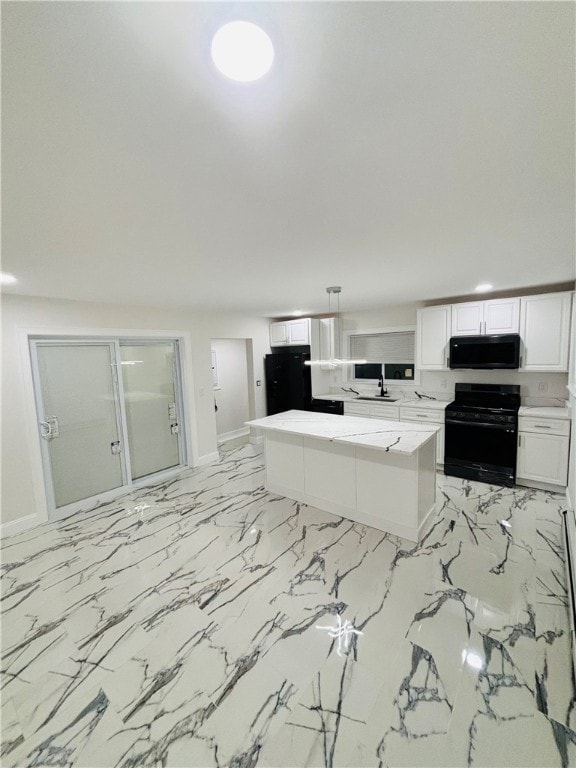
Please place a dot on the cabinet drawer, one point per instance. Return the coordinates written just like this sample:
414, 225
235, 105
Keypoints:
544, 426
357, 409
428, 414
384, 412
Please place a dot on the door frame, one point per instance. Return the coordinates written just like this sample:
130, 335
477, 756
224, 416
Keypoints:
190, 436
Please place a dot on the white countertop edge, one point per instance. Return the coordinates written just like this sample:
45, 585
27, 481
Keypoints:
546, 411
367, 433
400, 402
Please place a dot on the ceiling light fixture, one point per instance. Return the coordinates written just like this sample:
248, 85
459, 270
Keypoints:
242, 51
7, 279
335, 358
483, 287
297, 313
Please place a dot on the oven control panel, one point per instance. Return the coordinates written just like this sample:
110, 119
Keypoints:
476, 415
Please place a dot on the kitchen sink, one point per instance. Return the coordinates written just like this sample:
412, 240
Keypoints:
385, 398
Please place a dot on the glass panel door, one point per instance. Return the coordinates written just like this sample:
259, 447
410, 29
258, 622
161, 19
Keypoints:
79, 419
152, 403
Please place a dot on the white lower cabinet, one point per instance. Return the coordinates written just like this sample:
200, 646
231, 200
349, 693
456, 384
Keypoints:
433, 416
372, 410
389, 412
543, 448
357, 409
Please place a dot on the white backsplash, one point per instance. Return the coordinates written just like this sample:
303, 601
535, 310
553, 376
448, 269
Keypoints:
538, 389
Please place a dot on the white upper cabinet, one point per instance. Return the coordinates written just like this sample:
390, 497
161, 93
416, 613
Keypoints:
467, 318
278, 334
432, 336
299, 331
290, 333
478, 318
545, 330
502, 316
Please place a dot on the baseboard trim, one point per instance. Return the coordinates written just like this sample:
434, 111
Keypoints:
20, 525
208, 458
256, 436
540, 486
226, 436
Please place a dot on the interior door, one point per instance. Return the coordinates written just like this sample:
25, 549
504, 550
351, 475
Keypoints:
152, 403
79, 420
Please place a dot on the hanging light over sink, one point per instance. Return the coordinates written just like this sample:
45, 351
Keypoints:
335, 358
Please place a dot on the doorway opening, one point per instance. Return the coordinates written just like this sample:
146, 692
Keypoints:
231, 361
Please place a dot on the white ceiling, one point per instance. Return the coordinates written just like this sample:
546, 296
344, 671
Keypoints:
403, 150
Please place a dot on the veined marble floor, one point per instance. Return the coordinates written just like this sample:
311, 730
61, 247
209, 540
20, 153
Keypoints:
190, 625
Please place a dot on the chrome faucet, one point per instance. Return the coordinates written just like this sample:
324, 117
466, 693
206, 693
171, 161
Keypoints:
383, 392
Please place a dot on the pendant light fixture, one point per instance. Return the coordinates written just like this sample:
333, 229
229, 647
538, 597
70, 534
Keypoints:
335, 359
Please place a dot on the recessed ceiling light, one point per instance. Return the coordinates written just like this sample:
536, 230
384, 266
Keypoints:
483, 287
242, 51
7, 279
297, 313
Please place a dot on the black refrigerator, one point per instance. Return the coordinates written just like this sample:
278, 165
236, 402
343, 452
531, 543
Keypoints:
288, 382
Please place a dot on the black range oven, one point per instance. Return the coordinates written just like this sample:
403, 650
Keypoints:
482, 433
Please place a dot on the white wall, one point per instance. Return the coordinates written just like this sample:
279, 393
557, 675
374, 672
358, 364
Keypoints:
232, 393
571, 490
20, 497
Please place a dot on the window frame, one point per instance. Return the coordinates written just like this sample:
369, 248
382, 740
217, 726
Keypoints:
349, 374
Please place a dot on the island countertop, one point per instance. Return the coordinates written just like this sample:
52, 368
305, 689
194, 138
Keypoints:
390, 436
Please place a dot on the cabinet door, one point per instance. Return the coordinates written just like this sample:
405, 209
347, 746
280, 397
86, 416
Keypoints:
432, 335
299, 331
467, 319
357, 409
278, 334
543, 458
440, 445
439, 434
502, 316
389, 412
545, 330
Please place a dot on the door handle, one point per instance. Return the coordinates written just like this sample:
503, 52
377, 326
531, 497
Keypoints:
49, 429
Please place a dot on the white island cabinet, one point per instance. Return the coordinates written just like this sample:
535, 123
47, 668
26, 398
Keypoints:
375, 472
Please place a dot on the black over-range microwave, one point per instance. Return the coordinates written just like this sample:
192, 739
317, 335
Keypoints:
497, 351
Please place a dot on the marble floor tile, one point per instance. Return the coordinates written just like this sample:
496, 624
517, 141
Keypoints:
206, 622
11, 734
551, 578
555, 686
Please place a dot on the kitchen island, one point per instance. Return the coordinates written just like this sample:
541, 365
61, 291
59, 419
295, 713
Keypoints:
379, 473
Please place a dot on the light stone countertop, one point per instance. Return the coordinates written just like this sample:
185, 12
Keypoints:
411, 402
392, 436
545, 411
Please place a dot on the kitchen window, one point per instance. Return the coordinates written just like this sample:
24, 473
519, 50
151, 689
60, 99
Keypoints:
388, 352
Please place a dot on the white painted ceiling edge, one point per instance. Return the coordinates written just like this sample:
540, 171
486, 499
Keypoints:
405, 151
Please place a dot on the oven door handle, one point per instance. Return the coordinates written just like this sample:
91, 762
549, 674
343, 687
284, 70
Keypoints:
487, 424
